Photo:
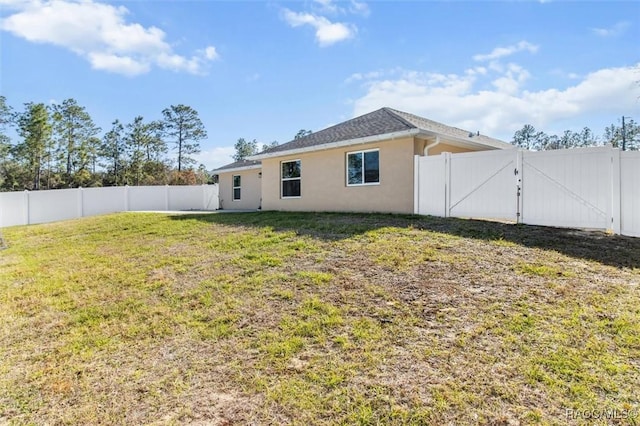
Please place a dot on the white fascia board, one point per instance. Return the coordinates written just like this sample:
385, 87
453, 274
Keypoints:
237, 169
467, 142
340, 144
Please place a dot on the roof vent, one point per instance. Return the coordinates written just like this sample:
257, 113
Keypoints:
470, 134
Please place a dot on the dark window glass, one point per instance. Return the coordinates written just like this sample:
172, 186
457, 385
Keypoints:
291, 169
236, 187
291, 188
371, 167
355, 168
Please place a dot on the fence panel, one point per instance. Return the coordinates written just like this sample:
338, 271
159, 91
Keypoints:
104, 200
431, 186
211, 198
14, 208
51, 206
142, 198
186, 197
483, 185
630, 193
567, 188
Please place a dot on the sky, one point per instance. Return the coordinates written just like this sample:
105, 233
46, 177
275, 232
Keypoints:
265, 69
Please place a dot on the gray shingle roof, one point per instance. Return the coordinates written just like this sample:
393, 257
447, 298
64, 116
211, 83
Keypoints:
238, 165
444, 130
380, 122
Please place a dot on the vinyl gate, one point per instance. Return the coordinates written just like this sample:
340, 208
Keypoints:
583, 188
483, 184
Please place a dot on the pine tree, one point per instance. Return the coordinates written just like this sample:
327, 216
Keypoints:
184, 130
34, 126
75, 133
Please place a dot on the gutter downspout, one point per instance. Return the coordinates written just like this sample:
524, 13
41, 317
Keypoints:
426, 148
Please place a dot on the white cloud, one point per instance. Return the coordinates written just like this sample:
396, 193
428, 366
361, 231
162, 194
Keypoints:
503, 106
359, 8
501, 52
100, 33
366, 76
125, 65
211, 53
616, 30
215, 157
512, 79
331, 7
327, 6
327, 32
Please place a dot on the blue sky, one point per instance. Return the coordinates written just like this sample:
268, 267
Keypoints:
265, 69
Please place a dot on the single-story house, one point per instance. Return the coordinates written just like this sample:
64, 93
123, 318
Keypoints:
365, 164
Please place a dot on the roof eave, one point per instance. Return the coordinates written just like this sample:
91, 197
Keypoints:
339, 144
467, 141
237, 169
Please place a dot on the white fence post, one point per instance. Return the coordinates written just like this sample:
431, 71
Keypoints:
27, 209
126, 198
519, 177
416, 184
447, 184
615, 191
80, 202
166, 197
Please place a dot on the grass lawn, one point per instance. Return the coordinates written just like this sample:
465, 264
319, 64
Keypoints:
303, 318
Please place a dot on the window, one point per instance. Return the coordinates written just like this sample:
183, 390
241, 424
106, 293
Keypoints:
363, 168
236, 187
290, 179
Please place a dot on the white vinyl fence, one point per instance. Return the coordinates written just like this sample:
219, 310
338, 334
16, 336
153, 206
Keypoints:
583, 188
630, 193
29, 207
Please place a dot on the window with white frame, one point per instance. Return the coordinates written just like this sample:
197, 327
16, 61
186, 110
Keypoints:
363, 167
237, 183
290, 179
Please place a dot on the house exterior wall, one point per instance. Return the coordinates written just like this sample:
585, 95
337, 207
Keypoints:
250, 190
443, 147
323, 181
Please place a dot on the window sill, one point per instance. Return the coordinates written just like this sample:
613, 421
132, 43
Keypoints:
351, 185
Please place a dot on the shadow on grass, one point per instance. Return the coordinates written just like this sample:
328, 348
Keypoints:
614, 250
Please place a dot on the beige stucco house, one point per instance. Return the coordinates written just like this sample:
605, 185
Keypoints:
365, 164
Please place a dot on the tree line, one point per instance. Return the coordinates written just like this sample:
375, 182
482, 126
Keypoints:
245, 148
59, 146
618, 135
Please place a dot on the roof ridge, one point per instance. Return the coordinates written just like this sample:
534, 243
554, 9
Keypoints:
393, 113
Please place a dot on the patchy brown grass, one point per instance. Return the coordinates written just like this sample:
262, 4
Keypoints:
302, 318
